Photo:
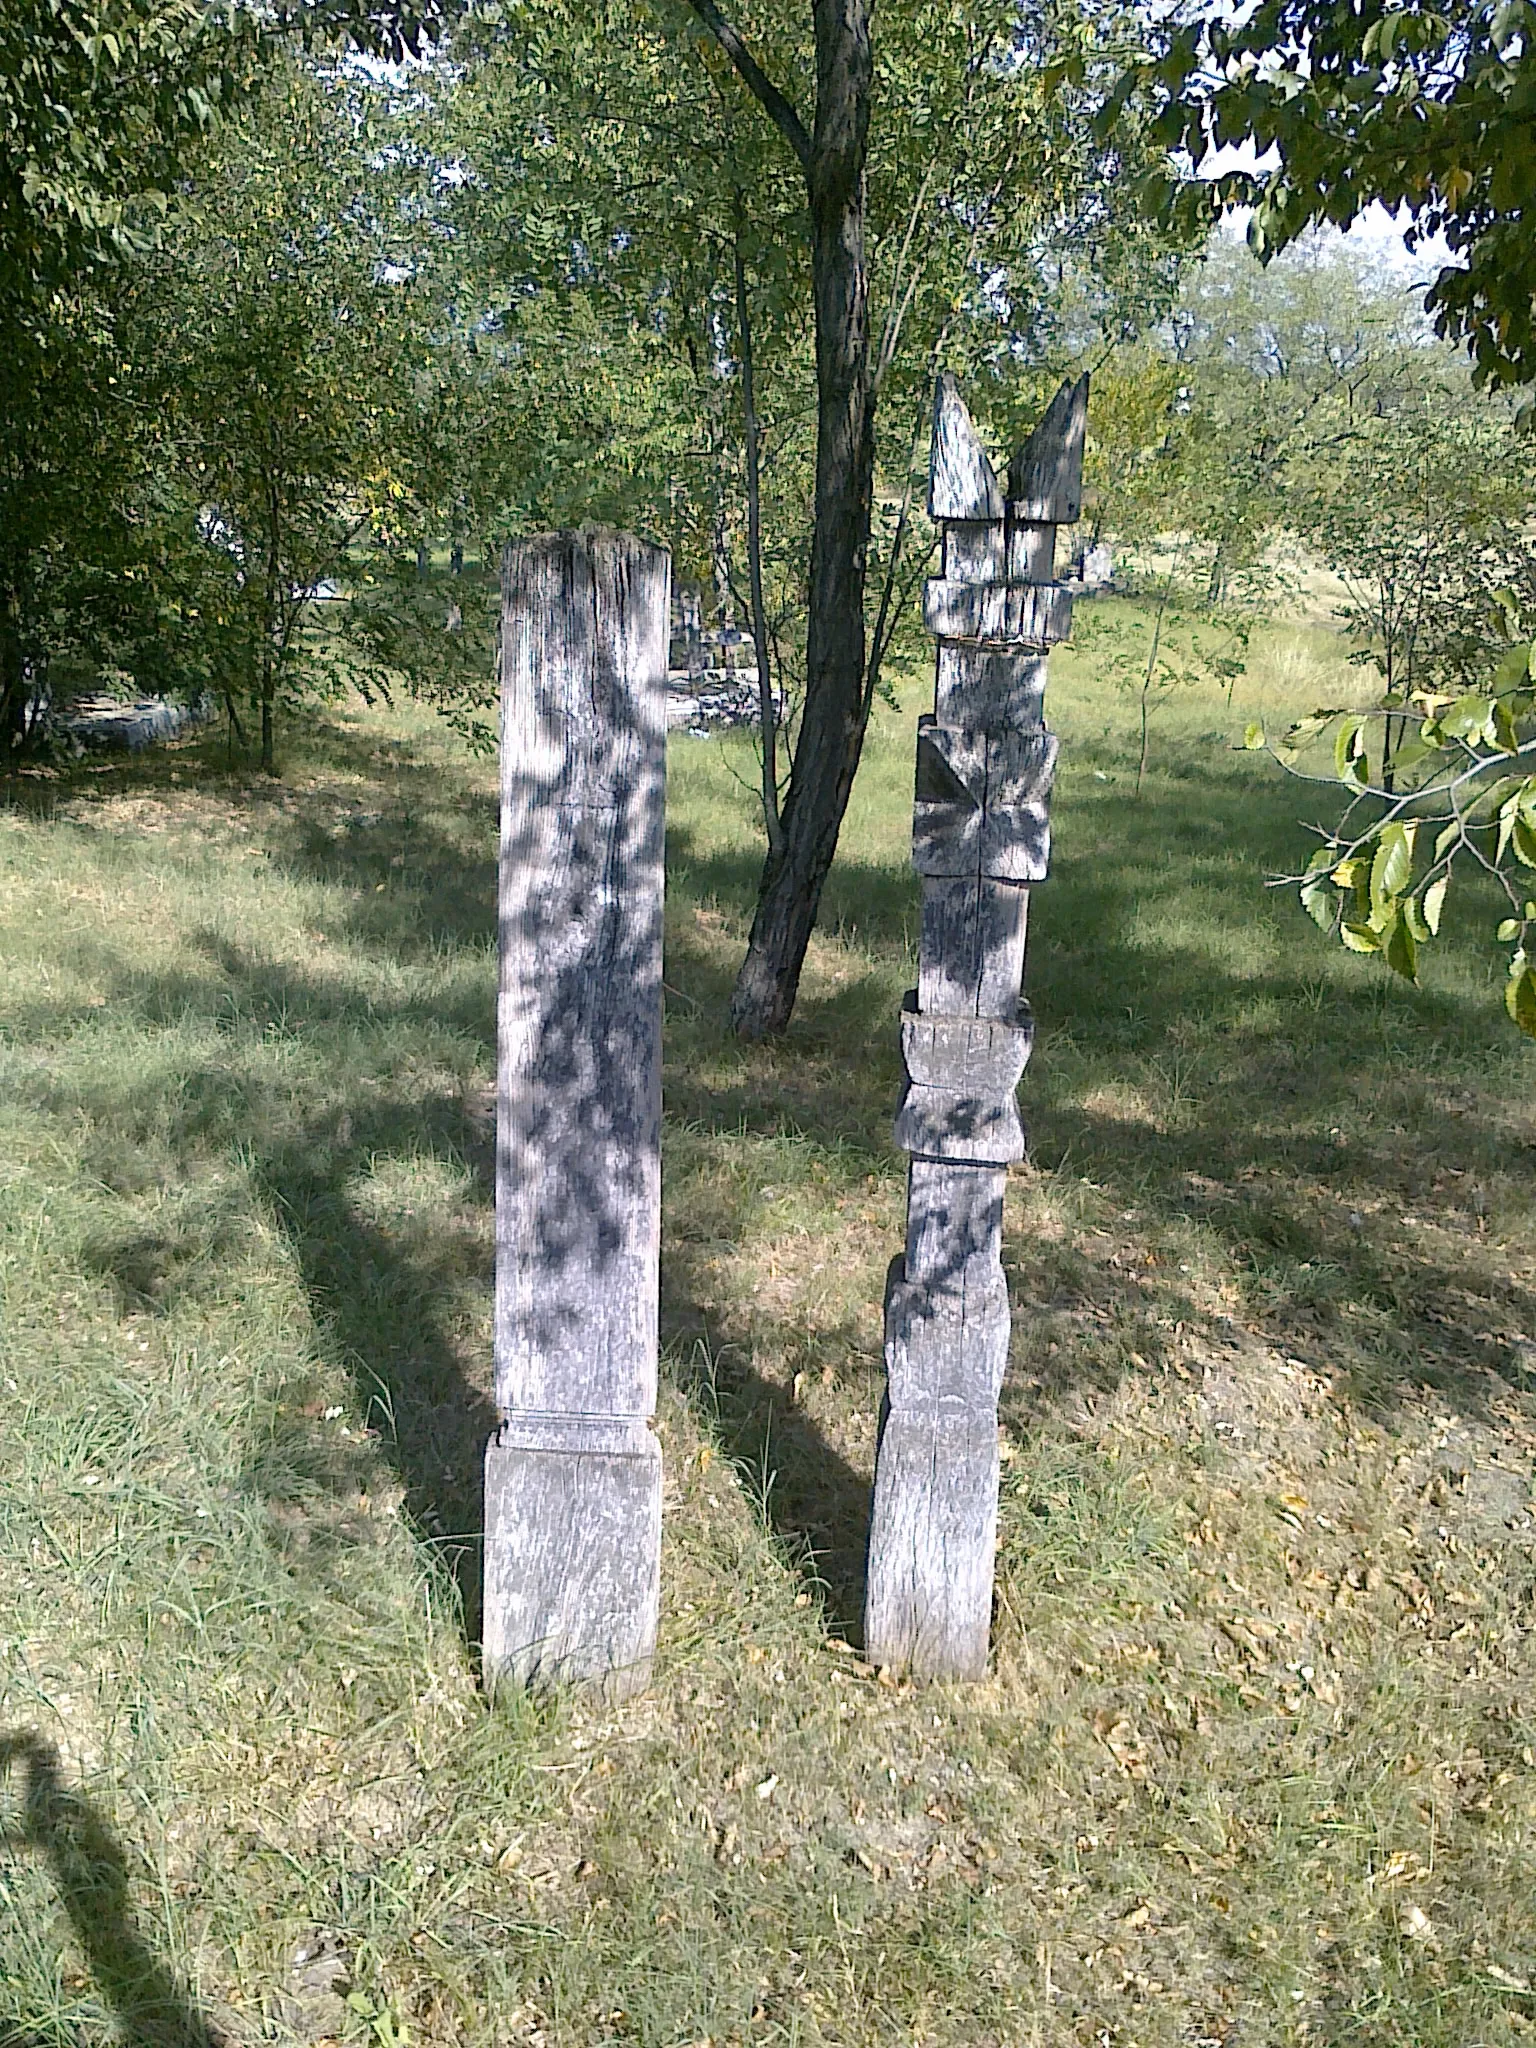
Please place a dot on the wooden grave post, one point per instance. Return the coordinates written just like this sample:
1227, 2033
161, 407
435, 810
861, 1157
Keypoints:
573, 1474
980, 839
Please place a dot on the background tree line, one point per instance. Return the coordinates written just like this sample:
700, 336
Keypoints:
289, 333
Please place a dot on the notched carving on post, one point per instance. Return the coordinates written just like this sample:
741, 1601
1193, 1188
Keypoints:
957, 1100
981, 802
1009, 614
948, 800
980, 839
1016, 829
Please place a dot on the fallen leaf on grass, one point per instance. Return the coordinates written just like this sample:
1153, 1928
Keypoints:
1416, 1923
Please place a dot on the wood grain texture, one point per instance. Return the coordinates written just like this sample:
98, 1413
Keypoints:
572, 1565
1030, 552
1015, 841
932, 1544
1045, 477
971, 946
962, 483
984, 688
578, 1179
975, 551
1007, 614
945, 1351
954, 1227
573, 1477
957, 1099
980, 837
949, 799
979, 1053
956, 1123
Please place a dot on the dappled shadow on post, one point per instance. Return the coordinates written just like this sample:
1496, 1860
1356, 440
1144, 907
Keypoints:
90, 1871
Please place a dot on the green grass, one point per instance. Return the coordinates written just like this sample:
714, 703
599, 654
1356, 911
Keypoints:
1256, 1761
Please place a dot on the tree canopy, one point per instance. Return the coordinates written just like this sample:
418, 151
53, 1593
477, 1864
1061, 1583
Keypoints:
1429, 108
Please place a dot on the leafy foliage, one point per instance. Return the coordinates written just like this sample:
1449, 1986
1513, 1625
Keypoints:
1428, 107
98, 99
1461, 795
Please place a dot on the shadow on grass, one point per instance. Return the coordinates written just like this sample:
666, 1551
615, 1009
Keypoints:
1274, 1055
91, 1874
815, 1504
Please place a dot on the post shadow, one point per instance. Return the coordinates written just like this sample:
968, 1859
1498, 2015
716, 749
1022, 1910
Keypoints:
91, 1873
818, 1506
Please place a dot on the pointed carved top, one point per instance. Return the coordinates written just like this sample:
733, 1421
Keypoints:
1045, 478
962, 483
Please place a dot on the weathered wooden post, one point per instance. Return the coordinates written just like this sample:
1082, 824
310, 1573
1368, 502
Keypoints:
980, 838
573, 1474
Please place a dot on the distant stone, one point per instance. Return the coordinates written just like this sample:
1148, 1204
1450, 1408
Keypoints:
138, 722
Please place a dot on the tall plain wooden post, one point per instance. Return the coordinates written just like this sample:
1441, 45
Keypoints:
980, 839
573, 1474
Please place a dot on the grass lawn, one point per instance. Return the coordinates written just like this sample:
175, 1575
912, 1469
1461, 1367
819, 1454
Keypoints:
1257, 1763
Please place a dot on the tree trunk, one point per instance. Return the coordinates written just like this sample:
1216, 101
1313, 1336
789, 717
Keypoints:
832, 726
768, 718
13, 695
268, 765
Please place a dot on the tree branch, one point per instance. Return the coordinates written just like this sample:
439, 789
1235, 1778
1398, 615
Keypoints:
758, 83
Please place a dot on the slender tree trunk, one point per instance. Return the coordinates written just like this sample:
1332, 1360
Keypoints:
13, 694
1146, 686
833, 723
767, 711
236, 729
268, 690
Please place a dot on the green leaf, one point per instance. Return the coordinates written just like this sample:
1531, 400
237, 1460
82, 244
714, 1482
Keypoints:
1349, 752
1359, 938
1523, 839
1508, 929
1253, 736
1392, 868
1412, 751
1470, 718
1400, 949
1514, 667
1520, 994
1434, 902
1320, 904
1306, 729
